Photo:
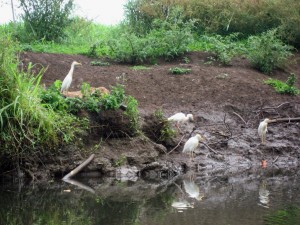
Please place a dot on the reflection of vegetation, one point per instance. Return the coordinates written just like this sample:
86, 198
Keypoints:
55, 207
288, 216
42, 208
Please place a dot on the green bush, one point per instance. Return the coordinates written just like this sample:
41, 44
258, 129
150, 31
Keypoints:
284, 87
168, 39
166, 131
99, 63
267, 52
225, 47
178, 70
27, 124
224, 17
46, 19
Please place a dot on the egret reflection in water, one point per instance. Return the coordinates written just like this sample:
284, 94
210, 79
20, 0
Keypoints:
189, 192
263, 193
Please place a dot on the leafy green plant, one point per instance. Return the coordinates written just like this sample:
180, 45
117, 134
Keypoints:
166, 130
28, 124
179, 70
46, 19
186, 60
99, 63
267, 52
115, 99
132, 112
225, 47
168, 39
120, 161
284, 87
140, 67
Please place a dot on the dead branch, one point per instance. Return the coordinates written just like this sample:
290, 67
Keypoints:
271, 107
238, 115
227, 126
274, 161
211, 149
176, 145
285, 120
79, 168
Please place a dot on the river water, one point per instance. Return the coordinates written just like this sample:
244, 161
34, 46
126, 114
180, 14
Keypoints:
260, 197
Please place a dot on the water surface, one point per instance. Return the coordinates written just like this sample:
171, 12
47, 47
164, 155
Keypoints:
261, 197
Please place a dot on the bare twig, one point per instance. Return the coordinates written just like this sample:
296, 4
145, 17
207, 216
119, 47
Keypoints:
227, 126
206, 145
79, 168
240, 117
285, 120
275, 159
274, 107
176, 145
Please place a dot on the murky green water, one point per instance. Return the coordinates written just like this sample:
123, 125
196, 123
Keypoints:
264, 197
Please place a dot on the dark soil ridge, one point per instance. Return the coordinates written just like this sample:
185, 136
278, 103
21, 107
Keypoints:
227, 102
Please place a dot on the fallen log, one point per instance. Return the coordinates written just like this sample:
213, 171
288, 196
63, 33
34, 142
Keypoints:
78, 168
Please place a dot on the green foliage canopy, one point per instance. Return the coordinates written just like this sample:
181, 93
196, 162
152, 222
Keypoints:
46, 19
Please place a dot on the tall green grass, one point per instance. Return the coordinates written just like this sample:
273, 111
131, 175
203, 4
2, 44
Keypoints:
26, 125
248, 17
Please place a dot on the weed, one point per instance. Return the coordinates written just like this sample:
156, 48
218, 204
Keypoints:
115, 99
179, 70
120, 161
166, 130
99, 63
267, 51
132, 113
140, 68
225, 48
28, 122
284, 87
186, 60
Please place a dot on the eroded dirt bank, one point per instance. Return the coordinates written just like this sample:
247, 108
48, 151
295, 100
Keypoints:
227, 102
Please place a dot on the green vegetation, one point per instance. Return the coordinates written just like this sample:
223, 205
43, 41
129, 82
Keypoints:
288, 216
179, 70
99, 63
225, 47
140, 68
267, 52
166, 131
284, 87
224, 17
168, 39
26, 122
46, 19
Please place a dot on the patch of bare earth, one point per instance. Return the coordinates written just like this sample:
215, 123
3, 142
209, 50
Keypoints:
228, 103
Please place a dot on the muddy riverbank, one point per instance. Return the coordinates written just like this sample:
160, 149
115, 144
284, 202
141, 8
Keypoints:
227, 103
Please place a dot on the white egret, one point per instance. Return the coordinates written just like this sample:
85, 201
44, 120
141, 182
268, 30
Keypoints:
180, 118
192, 189
68, 79
263, 129
191, 144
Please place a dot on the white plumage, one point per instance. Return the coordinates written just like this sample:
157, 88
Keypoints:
263, 129
180, 118
192, 144
68, 79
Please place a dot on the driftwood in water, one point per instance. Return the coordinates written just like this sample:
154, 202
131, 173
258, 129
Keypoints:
79, 168
285, 120
80, 185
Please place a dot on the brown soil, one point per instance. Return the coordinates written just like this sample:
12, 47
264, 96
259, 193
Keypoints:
220, 97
